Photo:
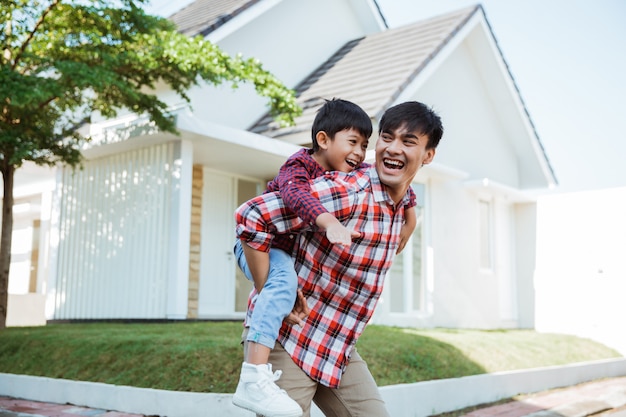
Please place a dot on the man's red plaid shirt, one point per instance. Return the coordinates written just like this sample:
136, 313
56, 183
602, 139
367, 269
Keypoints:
341, 285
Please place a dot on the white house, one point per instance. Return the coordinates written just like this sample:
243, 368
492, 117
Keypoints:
146, 230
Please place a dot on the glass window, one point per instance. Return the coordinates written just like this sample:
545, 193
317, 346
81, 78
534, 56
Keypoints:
405, 280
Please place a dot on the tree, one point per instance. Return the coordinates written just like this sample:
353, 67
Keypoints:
62, 60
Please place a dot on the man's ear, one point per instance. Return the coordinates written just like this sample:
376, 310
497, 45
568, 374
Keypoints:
430, 154
322, 139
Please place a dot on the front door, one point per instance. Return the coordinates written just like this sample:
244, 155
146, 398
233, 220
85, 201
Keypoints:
223, 290
216, 297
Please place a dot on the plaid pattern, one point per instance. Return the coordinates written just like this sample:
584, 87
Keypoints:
293, 183
342, 286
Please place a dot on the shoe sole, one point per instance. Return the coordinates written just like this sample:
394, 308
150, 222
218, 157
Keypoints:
251, 407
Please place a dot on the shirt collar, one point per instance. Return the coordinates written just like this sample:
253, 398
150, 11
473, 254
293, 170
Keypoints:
380, 191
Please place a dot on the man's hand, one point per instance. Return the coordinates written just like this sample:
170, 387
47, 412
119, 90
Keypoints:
405, 234
300, 311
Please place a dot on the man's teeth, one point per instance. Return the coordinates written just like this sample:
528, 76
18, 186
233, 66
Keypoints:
393, 164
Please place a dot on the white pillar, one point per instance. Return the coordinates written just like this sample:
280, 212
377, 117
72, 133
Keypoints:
178, 285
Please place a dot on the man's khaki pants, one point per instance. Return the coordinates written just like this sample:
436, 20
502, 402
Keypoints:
357, 395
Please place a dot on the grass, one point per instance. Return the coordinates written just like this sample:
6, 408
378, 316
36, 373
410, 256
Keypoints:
206, 356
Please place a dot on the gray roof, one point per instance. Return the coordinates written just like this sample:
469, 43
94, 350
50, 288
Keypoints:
371, 71
204, 16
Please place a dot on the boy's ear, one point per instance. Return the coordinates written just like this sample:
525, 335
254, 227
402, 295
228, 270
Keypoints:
322, 139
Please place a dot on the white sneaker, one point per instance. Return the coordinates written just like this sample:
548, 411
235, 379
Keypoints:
256, 391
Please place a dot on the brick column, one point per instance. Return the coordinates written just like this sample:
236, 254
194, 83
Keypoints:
194, 242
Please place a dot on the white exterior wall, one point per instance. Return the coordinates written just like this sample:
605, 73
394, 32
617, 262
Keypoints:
474, 140
580, 279
123, 236
466, 294
525, 262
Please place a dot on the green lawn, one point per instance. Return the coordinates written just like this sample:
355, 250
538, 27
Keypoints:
206, 356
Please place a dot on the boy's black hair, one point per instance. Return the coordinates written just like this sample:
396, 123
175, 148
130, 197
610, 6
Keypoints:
416, 117
337, 115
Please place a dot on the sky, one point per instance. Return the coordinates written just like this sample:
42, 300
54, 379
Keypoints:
568, 59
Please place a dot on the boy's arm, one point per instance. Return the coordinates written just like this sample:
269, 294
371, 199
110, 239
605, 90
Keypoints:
294, 185
264, 216
294, 181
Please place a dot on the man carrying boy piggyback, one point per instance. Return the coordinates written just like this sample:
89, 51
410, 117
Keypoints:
339, 136
342, 284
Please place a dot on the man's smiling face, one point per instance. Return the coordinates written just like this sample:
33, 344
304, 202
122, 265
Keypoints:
399, 154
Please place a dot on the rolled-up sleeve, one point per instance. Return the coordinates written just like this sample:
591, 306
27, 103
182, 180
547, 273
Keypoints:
262, 217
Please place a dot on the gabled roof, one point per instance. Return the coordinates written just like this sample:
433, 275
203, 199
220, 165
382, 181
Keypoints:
204, 16
372, 71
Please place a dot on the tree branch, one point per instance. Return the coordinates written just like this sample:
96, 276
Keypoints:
72, 128
31, 35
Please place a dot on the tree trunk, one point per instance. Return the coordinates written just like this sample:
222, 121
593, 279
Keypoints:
8, 172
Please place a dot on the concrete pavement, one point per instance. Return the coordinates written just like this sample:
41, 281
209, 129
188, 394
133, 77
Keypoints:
600, 397
604, 397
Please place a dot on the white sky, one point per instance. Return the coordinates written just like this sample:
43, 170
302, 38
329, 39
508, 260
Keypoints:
568, 58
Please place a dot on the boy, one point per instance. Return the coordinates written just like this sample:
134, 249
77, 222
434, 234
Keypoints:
340, 134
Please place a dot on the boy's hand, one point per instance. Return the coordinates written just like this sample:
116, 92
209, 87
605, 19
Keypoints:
338, 234
300, 311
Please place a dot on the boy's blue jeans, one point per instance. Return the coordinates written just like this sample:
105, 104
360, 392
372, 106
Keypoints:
275, 301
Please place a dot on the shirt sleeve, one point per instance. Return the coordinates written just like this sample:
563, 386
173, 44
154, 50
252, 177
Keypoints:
294, 182
261, 218
412, 199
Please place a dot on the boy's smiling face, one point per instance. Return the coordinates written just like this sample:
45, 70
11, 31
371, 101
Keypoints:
343, 153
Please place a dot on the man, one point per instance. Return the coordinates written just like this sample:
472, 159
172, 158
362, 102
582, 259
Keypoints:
342, 285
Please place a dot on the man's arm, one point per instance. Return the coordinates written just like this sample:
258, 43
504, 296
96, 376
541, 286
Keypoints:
410, 221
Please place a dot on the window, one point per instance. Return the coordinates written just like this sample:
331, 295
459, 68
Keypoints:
406, 281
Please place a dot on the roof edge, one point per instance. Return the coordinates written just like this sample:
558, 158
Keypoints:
533, 128
424, 64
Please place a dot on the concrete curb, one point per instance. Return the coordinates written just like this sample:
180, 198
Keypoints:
440, 396
404, 400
